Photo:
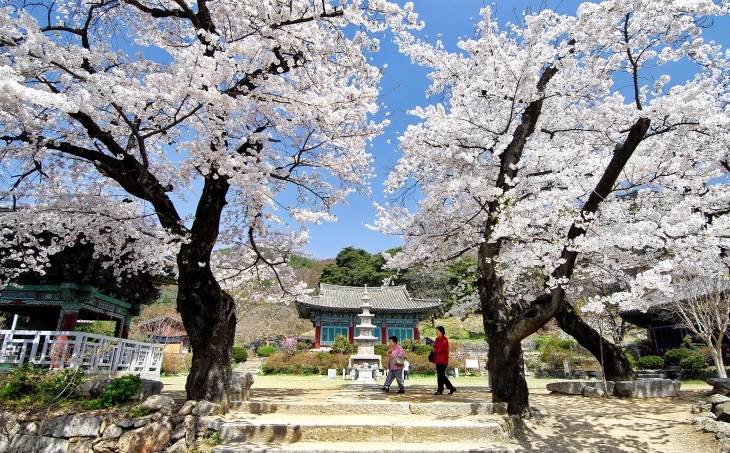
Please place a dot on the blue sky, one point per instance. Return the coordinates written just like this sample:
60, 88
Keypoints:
403, 87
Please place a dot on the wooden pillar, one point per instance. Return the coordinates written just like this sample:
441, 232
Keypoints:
416, 334
351, 332
124, 331
383, 333
68, 320
317, 335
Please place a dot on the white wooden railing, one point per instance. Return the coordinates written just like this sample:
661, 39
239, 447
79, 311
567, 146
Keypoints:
80, 350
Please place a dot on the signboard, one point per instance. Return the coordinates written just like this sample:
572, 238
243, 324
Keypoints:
472, 364
331, 373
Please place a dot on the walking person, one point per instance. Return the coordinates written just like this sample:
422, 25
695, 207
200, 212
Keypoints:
406, 370
396, 363
441, 360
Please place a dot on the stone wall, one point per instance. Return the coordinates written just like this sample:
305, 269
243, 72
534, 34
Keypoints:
168, 428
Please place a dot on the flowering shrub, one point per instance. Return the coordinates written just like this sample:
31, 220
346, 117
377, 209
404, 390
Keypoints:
290, 345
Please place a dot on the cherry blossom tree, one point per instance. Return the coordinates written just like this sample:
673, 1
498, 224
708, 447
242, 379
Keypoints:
555, 139
703, 307
116, 115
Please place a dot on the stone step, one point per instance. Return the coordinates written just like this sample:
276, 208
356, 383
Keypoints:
435, 410
282, 429
365, 447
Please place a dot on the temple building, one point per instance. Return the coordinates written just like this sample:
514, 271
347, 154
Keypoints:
77, 286
335, 312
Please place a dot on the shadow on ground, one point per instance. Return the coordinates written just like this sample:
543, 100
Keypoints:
578, 424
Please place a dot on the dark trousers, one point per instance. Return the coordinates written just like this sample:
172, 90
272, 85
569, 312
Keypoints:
442, 379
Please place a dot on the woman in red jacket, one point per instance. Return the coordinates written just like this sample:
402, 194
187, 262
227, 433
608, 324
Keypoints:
441, 359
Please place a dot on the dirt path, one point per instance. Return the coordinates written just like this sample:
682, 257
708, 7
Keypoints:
578, 424
568, 424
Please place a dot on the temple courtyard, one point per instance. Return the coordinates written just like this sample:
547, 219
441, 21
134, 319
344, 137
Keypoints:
313, 413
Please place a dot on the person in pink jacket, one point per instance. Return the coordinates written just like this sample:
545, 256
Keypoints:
441, 360
395, 370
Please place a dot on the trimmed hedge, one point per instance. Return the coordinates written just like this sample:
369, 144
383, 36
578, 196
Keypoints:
306, 363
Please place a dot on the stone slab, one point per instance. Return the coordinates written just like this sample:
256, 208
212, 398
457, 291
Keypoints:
27, 444
288, 433
366, 447
646, 388
720, 385
567, 387
438, 432
440, 410
366, 408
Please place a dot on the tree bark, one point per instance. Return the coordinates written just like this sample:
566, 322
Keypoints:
717, 358
208, 314
616, 366
507, 370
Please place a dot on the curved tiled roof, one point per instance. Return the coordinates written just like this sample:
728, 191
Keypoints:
394, 299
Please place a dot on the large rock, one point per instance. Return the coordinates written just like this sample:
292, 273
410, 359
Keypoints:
27, 444
717, 399
148, 439
105, 446
186, 429
719, 385
241, 386
112, 432
568, 387
177, 447
721, 429
157, 402
187, 408
81, 446
580, 387
722, 411
204, 408
79, 425
646, 388
149, 387
600, 389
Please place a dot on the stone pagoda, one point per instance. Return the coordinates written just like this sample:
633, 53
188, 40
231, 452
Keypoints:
365, 360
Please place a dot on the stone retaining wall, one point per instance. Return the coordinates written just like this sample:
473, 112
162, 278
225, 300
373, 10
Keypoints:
167, 428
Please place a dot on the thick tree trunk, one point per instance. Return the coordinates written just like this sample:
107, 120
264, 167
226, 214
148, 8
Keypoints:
208, 314
507, 370
616, 366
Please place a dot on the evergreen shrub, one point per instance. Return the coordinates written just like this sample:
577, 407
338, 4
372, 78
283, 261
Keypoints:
342, 346
265, 351
693, 362
650, 362
674, 356
120, 391
239, 354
